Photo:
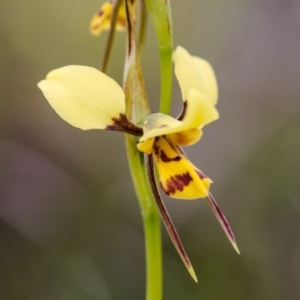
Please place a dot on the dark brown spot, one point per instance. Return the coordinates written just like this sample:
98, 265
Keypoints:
156, 149
167, 159
172, 146
122, 21
177, 183
100, 13
112, 128
122, 124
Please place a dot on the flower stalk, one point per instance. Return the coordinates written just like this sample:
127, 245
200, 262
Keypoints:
160, 13
143, 27
137, 108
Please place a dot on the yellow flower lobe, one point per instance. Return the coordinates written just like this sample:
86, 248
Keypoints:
84, 97
178, 177
195, 73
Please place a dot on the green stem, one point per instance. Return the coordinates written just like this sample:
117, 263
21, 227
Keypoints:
151, 221
142, 30
160, 12
137, 108
165, 56
152, 233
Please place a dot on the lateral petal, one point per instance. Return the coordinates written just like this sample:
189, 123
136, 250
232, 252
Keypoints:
177, 175
196, 73
185, 138
83, 96
198, 113
146, 146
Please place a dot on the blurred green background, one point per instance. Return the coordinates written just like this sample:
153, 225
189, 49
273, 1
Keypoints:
70, 226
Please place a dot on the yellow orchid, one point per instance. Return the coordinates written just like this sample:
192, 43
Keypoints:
163, 135
102, 19
88, 99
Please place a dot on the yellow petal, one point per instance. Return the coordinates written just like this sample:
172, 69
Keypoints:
185, 138
196, 73
146, 146
101, 20
160, 124
83, 96
177, 175
198, 112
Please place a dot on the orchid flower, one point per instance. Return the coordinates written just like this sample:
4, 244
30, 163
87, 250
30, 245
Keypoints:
88, 99
163, 135
102, 19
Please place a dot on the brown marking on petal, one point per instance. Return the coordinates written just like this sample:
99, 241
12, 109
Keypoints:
160, 154
170, 143
122, 124
167, 159
182, 114
156, 149
100, 13
122, 21
112, 128
177, 183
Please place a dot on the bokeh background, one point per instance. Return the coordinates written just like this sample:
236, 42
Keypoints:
70, 226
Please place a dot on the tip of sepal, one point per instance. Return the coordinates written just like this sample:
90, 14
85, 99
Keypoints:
192, 273
222, 220
177, 243
235, 247
179, 247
